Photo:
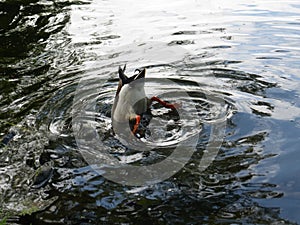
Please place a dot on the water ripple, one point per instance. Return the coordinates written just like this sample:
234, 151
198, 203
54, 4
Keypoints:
243, 54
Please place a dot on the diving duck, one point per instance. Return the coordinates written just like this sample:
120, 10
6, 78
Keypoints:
131, 103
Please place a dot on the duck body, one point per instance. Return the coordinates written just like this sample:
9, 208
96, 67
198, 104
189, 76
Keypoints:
130, 99
131, 105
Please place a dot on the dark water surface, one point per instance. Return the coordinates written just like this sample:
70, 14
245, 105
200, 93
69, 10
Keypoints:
245, 53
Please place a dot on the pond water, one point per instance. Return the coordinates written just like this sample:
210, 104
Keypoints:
233, 67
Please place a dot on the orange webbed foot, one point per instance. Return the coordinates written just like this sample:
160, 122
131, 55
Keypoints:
173, 106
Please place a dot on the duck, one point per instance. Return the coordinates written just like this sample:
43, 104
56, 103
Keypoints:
131, 103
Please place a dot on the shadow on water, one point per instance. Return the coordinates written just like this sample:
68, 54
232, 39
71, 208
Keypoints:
223, 193
30, 33
44, 178
26, 25
27, 54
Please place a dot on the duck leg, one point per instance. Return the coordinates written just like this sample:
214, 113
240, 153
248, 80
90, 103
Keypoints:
165, 104
136, 124
139, 124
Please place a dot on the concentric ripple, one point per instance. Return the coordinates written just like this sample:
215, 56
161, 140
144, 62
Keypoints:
172, 137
